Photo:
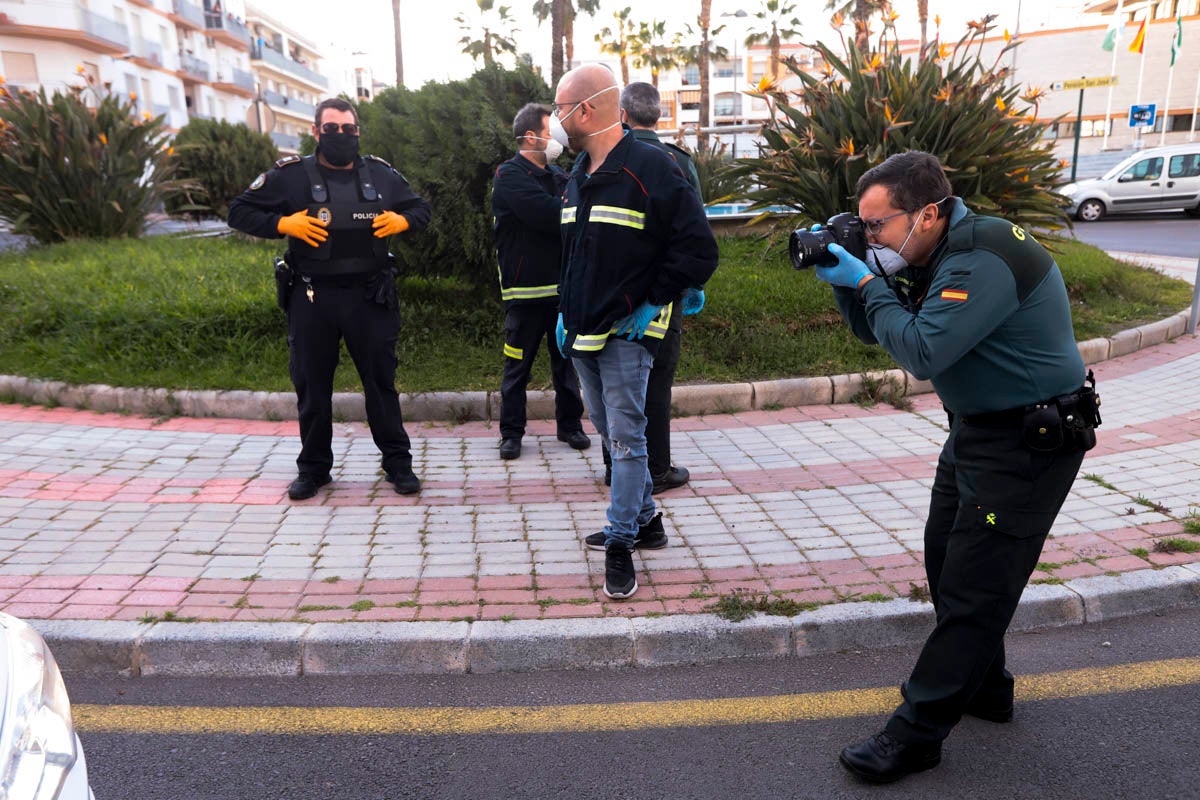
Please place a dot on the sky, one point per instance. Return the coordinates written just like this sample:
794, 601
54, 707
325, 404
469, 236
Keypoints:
432, 51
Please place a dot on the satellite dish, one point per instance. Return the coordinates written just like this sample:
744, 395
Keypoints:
260, 117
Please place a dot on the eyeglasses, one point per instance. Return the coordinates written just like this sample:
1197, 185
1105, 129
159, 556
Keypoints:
345, 127
875, 226
557, 107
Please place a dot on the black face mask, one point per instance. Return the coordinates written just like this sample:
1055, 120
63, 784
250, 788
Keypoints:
339, 149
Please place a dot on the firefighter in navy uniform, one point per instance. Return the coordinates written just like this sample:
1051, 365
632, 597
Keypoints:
337, 210
983, 313
526, 202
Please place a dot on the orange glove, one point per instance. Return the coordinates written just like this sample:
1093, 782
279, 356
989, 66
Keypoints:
389, 223
300, 225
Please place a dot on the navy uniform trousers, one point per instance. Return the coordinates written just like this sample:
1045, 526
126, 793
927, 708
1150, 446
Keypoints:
993, 503
525, 325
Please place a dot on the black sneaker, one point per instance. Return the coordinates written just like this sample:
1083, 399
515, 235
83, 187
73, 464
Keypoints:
673, 478
404, 481
305, 486
650, 536
619, 580
576, 440
510, 449
882, 759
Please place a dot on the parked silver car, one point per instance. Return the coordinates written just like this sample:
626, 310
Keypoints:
1162, 178
40, 754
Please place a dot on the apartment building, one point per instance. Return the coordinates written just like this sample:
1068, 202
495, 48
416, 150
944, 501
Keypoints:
178, 58
288, 71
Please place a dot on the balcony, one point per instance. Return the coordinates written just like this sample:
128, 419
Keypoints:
76, 27
227, 29
289, 105
188, 15
281, 63
194, 68
235, 81
148, 52
162, 110
104, 28
286, 141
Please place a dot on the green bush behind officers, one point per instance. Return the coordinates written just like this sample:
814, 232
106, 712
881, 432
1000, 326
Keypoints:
983, 313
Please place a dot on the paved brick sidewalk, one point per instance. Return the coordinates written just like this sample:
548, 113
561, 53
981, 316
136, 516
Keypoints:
114, 517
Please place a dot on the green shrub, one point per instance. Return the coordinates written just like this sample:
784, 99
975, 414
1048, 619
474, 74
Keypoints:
69, 171
447, 139
220, 160
870, 105
720, 182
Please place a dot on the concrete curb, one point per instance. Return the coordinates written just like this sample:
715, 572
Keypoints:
689, 399
390, 648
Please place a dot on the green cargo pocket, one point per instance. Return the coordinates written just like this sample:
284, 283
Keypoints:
1017, 524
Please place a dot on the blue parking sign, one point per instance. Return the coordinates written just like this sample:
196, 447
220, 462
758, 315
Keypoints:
1142, 116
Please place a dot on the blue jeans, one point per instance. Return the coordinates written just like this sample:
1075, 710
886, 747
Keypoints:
614, 386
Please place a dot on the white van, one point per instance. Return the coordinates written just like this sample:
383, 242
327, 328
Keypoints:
1152, 180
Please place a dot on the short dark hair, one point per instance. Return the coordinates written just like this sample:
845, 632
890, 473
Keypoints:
337, 104
642, 104
529, 118
913, 180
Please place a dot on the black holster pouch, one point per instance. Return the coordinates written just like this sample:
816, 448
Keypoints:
1068, 419
283, 282
381, 288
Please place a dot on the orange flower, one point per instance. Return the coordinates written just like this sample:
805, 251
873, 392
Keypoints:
170, 151
1000, 104
133, 97
846, 148
1, 79
838, 20
873, 65
1063, 163
103, 139
937, 20
944, 51
146, 115
1007, 37
888, 115
892, 16
943, 94
1033, 93
79, 69
765, 84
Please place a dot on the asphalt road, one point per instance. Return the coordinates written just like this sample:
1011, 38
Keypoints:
1157, 233
1114, 744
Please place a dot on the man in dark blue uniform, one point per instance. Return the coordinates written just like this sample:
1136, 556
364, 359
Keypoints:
634, 237
526, 201
337, 210
983, 313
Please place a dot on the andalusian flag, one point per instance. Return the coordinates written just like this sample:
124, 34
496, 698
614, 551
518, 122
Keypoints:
1113, 35
1139, 42
1177, 42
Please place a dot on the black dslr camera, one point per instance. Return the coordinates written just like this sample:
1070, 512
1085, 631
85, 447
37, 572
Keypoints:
811, 248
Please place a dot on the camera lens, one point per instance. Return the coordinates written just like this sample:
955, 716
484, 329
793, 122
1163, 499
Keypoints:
811, 248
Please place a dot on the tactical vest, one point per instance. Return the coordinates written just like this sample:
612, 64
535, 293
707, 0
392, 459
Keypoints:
348, 211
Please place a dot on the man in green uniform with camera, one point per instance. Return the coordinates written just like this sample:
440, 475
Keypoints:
975, 305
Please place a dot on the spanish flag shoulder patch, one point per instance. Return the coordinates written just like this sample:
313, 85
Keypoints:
957, 295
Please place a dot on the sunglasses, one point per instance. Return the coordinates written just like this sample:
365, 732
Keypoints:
345, 127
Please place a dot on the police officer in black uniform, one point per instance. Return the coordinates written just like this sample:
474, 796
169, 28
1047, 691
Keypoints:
337, 210
975, 305
526, 202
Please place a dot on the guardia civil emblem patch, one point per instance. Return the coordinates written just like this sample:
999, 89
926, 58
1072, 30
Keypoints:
259, 181
324, 215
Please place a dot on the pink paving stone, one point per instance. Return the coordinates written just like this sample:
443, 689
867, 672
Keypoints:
41, 595
269, 614
1121, 563
813, 596
733, 573
674, 591
164, 584
207, 585
299, 601
901, 574
447, 584
504, 596
285, 599
388, 599
1124, 535
852, 578
634, 608
894, 560
275, 587
567, 594
32, 610
387, 614
139, 597
14, 581
487, 582
109, 582
786, 571
569, 610
211, 613
1170, 559
827, 568
211, 599
98, 596
74, 611
337, 587
688, 606
797, 583
751, 586
1081, 570
1163, 528
857, 593
458, 596
516, 611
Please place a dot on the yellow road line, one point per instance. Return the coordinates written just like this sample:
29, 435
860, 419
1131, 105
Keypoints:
443, 721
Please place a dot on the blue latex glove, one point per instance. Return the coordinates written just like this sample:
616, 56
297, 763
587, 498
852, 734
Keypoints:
848, 271
560, 335
634, 326
693, 301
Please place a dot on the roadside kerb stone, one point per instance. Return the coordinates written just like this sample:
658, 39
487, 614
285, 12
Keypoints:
712, 398
1141, 592
349, 405
915, 385
456, 406
1046, 605
1093, 351
790, 392
92, 646
1154, 333
221, 649
385, 648
847, 387
1178, 324
862, 626
705, 638
1124, 343
522, 645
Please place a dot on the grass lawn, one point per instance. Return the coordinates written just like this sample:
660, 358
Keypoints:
200, 313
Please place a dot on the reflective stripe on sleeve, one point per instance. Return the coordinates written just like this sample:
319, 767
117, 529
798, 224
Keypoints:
615, 215
568, 215
529, 292
514, 352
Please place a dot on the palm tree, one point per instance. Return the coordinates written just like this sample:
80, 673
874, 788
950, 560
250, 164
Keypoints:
777, 21
399, 50
616, 42
572, 10
651, 49
701, 55
561, 14
923, 17
495, 33
863, 10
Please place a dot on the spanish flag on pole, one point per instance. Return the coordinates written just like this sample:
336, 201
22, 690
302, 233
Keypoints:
1139, 42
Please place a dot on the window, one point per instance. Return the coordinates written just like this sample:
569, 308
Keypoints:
19, 68
1148, 169
91, 72
691, 75
173, 95
1185, 166
727, 103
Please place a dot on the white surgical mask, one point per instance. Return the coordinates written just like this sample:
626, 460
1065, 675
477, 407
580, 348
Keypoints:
887, 261
559, 134
553, 148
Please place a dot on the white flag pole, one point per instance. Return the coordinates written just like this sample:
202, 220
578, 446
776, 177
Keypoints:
1112, 70
1162, 137
1195, 109
1137, 142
